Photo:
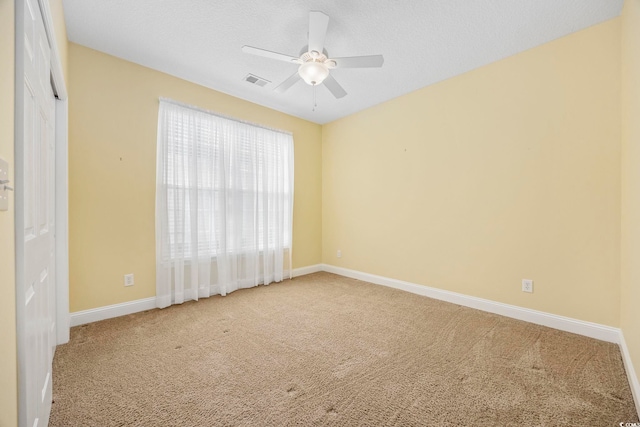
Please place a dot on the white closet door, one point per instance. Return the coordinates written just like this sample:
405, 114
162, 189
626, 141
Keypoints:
39, 217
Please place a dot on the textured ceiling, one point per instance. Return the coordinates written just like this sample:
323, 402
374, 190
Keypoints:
423, 41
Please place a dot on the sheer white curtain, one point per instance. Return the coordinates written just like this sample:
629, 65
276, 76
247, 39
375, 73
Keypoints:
224, 204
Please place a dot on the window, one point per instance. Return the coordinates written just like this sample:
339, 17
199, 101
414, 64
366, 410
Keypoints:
224, 186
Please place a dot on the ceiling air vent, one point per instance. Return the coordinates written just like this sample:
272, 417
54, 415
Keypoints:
256, 80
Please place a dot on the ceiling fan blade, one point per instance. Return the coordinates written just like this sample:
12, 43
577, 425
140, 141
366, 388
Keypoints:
334, 87
318, 23
268, 54
370, 61
282, 87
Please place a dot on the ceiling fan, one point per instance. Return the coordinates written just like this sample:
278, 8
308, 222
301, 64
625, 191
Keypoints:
314, 63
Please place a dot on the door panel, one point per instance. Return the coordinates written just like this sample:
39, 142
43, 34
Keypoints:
43, 166
29, 157
39, 222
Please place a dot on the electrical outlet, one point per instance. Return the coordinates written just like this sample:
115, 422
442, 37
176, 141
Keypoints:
527, 285
128, 279
339, 253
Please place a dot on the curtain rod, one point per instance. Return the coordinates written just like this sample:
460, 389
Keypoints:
223, 116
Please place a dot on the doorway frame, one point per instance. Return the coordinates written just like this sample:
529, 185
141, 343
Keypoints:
62, 180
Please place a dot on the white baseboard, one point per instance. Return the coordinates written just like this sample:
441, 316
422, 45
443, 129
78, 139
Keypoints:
589, 329
631, 372
130, 307
306, 270
110, 311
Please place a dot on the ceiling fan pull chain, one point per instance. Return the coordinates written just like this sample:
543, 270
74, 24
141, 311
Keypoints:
315, 103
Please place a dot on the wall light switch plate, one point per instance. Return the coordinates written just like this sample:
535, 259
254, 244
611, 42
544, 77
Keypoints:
4, 194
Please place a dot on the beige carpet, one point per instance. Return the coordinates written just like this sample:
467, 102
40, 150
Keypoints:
326, 350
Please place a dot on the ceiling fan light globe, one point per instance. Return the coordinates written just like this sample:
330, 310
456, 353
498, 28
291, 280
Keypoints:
313, 73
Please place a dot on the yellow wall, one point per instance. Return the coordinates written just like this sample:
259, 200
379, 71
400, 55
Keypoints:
60, 28
507, 172
630, 297
113, 110
8, 364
